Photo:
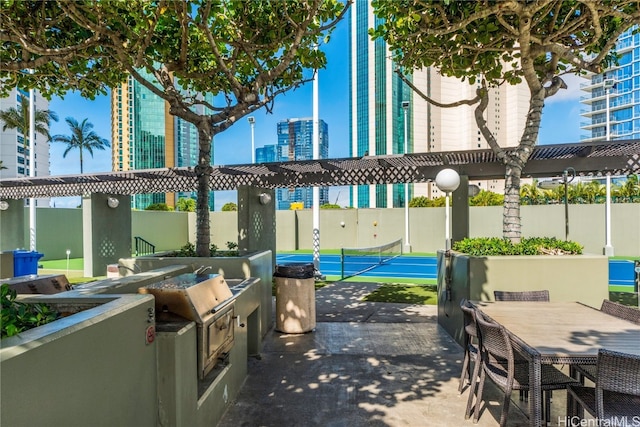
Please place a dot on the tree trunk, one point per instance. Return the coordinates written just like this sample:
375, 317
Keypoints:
203, 172
515, 163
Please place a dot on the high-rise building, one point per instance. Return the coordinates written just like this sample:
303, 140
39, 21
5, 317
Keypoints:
380, 101
15, 151
616, 90
267, 154
146, 136
295, 142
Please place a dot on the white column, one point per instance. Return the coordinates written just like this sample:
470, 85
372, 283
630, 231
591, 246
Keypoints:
608, 248
32, 168
407, 243
316, 190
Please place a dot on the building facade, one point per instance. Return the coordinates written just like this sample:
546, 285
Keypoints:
381, 106
146, 136
295, 142
616, 90
15, 149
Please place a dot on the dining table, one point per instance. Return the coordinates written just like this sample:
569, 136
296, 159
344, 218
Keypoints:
559, 333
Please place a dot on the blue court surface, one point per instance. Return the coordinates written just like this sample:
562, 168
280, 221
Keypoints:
621, 272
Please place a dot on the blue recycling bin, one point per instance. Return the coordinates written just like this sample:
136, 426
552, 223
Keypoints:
25, 262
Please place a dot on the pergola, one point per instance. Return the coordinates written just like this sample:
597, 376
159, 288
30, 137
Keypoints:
620, 157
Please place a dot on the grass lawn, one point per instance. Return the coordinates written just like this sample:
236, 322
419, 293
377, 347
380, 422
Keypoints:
61, 264
404, 293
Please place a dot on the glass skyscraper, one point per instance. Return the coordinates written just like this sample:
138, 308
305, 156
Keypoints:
146, 136
295, 142
379, 100
617, 89
375, 107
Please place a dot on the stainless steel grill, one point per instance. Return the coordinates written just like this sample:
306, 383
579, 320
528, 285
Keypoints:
205, 299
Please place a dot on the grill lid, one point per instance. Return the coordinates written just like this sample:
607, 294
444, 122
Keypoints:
192, 296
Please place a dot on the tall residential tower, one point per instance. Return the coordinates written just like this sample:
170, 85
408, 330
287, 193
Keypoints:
616, 90
295, 143
380, 101
146, 136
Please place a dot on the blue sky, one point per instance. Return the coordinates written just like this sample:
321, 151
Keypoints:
560, 122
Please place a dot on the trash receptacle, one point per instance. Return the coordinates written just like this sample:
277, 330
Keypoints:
295, 298
25, 262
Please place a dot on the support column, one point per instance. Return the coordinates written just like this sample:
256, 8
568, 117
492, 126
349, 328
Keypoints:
12, 231
460, 210
106, 222
256, 220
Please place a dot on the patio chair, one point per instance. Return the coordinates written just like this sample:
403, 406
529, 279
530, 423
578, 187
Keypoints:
615, 309
615, 399
470, 341
521, 295
500, 365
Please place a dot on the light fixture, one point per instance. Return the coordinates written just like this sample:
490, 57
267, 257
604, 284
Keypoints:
4, 205
112, 202
265, 198
447, 180
252, 122
342, 224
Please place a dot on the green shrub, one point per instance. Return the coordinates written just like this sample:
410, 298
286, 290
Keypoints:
158, 207
229, 207
485, 246
18, 317
189, 250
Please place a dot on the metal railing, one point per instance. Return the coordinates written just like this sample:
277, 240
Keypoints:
143, 247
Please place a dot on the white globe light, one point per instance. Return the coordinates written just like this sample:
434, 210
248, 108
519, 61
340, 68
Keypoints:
447, 180
112, 202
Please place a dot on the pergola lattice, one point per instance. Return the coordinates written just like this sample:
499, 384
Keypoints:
620, 157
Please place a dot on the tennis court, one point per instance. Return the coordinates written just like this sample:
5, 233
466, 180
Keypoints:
409, 267
422, 269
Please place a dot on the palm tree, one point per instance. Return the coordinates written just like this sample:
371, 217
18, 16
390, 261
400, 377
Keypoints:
82, 137
18, 118
531, 194
2, 166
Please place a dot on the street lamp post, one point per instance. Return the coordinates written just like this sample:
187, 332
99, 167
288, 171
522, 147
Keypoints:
407, 244
553, 184
608, 84
447, 180
252, 122
565, 176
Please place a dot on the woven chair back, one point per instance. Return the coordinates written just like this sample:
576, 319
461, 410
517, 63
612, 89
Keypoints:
521, 295
494, 340
618, 372
620, 311
468, 313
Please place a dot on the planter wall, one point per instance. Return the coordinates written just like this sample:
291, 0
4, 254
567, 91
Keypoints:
96, 367
582, 278
92, 368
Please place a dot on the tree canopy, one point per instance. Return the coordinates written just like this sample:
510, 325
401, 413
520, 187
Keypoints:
490, 43
212, 61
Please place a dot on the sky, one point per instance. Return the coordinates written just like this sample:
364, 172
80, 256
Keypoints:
560, 122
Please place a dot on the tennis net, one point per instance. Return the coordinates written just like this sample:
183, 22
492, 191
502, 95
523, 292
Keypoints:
354, 261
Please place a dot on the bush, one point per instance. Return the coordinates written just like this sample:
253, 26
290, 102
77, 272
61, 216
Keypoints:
485, 246
18, 317
229, 207
158, 207
189, 250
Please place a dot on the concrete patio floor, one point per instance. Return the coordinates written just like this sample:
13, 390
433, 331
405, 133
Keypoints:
366, 364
